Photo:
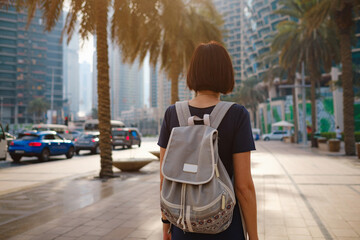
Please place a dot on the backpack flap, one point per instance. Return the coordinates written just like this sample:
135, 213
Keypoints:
189, 156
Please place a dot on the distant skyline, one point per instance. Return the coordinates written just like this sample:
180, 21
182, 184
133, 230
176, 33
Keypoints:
86, 55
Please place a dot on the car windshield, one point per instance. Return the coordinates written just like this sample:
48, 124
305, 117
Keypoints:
28, 136
119, 133
88, 136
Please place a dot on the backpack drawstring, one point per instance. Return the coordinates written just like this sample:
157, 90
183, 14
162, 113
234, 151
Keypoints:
181, 218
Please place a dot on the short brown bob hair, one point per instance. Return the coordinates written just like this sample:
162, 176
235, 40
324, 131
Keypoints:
210, 69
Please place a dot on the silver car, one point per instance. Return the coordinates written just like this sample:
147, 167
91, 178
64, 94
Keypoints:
277, 135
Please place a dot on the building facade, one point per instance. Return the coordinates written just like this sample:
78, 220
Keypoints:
71, 76
126, 84
85, 91
30, 65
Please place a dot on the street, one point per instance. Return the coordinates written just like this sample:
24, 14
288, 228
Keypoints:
301, 194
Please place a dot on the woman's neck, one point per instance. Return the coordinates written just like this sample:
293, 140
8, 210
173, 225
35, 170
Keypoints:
205, 99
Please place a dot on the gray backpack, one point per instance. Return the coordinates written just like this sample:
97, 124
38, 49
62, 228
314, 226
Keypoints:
197, 194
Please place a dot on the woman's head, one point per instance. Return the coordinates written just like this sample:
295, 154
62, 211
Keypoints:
210, 69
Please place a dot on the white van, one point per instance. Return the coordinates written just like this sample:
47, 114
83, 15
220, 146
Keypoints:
3, 144
62, 130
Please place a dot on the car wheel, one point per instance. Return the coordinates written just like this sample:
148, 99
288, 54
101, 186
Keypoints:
45, 155
282, 139
70, 153
114, 147
15, 158
266, 139
77, 152
139, 144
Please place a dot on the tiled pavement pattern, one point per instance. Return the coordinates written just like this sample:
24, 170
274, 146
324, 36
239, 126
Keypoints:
301, 195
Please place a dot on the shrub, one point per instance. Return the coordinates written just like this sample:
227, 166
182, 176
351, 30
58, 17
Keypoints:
328, 135
357, 136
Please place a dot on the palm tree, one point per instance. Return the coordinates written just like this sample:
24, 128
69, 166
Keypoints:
37, 107
294, 43
270, 61
251, 94
171, 36
342, 13
137, 27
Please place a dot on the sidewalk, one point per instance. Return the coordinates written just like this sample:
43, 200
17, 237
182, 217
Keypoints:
301, 195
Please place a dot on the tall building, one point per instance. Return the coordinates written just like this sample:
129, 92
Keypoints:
71, 76
94, 97
232, 12
30, 65
160, 89
249, 24
126, 84
85, 91
154, 74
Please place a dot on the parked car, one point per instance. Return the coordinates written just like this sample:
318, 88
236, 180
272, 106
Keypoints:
88, 141
75, 134
277, 135
3, 144
40, 144
256, 133
9, 138
125, 137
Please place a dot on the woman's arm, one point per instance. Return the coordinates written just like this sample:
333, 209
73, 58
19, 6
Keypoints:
245, 192
166, 235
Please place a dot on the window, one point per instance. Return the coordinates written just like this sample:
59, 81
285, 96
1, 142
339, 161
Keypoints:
28, 137
58, 137
49, 137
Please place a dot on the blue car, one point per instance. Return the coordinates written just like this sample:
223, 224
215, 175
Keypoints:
40, 144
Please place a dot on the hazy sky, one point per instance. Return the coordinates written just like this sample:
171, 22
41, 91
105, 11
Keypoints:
86, 55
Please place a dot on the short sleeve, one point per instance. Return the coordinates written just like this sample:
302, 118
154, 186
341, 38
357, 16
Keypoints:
165, 129
243, 138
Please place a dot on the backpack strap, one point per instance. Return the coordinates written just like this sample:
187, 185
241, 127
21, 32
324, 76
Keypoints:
183, 112
219, 112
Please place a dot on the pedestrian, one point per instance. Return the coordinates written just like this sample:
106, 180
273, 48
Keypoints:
211, 73
338, 132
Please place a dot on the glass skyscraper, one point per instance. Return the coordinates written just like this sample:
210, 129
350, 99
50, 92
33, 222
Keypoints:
30, 65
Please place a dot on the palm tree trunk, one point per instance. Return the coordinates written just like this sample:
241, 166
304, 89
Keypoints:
314, 75
174, 88
295, 107
344, 22
295, 113
103, 88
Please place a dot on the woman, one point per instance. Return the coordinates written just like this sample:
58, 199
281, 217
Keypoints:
210, 73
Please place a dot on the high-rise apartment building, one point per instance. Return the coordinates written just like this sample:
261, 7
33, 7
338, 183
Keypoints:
30, 65
232, 12
249, 25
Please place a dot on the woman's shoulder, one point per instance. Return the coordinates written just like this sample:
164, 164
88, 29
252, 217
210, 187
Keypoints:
170, 110
238, 110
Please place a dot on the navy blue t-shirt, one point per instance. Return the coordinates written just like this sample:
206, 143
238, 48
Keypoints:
234, 131
234, 136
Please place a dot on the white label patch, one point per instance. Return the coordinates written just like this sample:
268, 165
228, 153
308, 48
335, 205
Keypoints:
191, 168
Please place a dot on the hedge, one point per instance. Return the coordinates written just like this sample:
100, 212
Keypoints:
329, 135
